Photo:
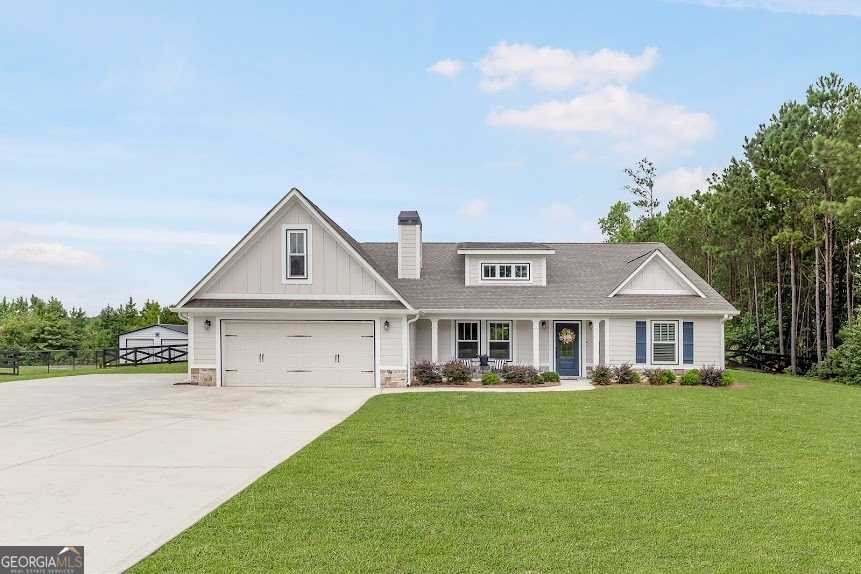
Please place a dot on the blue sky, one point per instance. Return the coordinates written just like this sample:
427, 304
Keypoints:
139, 142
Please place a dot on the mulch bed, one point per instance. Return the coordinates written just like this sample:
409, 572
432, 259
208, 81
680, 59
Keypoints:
477, 384
676, 385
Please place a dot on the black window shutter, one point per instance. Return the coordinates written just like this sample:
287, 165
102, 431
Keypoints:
641, 341
688, 342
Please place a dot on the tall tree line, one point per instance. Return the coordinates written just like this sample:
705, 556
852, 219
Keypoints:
777, 230
36, 324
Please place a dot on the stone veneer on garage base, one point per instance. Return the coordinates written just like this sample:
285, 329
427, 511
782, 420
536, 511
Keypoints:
393, 377
203, 377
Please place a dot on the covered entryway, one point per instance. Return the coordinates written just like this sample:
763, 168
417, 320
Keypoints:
298, 353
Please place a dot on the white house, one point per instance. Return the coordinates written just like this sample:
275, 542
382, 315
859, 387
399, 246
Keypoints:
299, 302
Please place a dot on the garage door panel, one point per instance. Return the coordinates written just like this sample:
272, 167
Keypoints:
298, 353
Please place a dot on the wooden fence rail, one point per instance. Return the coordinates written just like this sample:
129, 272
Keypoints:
133, 356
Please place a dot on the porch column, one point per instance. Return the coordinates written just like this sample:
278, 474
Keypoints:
596, 337
434, 341
607, 359
536, 332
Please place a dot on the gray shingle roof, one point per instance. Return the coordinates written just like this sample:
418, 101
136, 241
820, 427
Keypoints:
290, 304
513, 246
579, 276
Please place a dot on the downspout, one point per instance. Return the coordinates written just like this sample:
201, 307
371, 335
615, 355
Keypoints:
723, 340
409, 355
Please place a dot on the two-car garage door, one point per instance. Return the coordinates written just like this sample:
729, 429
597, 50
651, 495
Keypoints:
298, 353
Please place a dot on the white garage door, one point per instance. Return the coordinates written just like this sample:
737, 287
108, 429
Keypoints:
298, 353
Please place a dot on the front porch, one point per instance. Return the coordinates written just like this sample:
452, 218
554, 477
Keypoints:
520, 340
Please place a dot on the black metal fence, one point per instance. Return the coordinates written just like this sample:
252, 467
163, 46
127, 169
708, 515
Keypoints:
12, 361
767, 362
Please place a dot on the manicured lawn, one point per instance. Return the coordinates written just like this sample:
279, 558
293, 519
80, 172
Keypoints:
27, 373
765, 478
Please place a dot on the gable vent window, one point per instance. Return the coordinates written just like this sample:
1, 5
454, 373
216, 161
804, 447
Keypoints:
505, 271
297, 250
664, 342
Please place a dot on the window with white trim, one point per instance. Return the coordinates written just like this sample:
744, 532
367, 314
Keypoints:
664, 342
467, 339
499, 340
505, 271
296, 253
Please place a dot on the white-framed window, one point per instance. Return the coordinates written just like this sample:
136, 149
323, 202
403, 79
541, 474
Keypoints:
296, 250
499, 340
665, 342
468, 339
505, 271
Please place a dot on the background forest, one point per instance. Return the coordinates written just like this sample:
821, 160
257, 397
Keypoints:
36, 324
777, 231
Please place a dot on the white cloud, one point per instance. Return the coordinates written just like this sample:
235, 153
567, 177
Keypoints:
50, 255
474, 209
628, 118
812, 7
560, 211
681, 182
133, 235
448, 68
548, 68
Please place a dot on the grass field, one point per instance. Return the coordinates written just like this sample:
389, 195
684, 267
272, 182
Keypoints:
27, 373
765, 478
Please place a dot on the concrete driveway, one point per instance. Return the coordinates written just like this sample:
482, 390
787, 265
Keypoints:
122, 463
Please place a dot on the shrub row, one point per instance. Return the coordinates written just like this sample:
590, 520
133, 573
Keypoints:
625, 374
426, 372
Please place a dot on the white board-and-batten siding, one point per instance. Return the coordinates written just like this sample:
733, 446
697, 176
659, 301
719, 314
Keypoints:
655, 277
258, 270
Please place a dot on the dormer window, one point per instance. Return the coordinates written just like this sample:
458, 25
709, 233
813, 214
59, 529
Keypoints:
296, 249
505, 271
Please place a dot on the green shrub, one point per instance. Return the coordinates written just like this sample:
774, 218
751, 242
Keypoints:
626, 375
602, 375
659, 376
846, 357
713, 376
456, 372
520, 374
550, 377
490, 379
690, 378
818, 370
426, 372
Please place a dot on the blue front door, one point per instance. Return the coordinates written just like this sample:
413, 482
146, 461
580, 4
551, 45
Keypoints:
568, 349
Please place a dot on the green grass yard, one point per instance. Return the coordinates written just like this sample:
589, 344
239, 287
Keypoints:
42, 372
765, 478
